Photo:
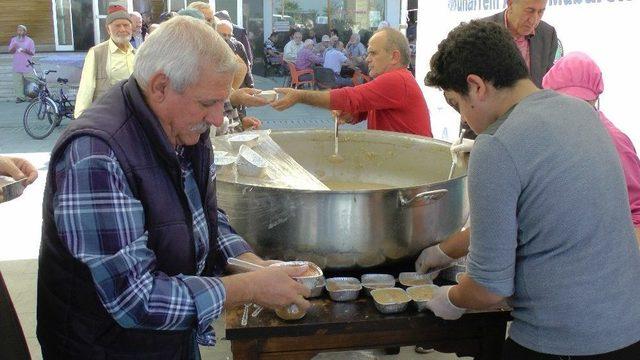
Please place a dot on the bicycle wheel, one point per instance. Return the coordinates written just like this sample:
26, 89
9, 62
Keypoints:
40, 118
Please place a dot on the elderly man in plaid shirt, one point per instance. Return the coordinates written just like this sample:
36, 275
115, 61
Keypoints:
133, 245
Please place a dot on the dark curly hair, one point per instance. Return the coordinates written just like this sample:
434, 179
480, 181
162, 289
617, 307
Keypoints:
481, 48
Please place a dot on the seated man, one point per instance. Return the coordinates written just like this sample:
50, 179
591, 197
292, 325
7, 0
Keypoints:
392, 101
335, 59
292, 47
551, 233
270, 47
307, 58
133, 246
322, 47
355, 50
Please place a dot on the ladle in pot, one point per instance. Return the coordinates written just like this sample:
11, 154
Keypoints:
453, 160
335, 158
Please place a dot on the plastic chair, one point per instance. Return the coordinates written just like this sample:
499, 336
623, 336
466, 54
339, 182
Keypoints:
272, 64
325, 78
296, 82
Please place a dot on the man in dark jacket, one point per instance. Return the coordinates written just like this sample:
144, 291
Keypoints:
536, 40
134, 247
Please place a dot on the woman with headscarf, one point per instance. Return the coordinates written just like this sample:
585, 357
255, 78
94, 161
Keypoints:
577, 75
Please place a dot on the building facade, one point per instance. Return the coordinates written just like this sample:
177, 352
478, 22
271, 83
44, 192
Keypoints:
77, 25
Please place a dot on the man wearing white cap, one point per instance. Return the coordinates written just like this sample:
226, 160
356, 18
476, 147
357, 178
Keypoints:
23, 49
108, 62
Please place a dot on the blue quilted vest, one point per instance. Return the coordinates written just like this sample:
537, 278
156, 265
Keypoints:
72, 323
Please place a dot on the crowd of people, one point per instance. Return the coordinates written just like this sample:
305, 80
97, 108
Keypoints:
552, 216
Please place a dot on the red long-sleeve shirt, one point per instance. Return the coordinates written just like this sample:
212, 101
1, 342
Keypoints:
392, 101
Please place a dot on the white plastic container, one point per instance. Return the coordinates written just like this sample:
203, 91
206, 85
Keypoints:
248, 139
224, 161
250, 163
269, 95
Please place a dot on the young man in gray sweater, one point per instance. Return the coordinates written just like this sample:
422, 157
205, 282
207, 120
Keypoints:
551, 233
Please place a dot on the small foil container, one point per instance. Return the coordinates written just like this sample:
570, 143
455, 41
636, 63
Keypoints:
312, 279
377, 281
291, 312
317, 291
269, 95
247, 139
414, 279
390, 300
421, 295
250, 163
343, 288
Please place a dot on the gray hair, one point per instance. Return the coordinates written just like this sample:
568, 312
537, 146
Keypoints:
308, 42
356, 36
22, 27
136, 14
226, 23
182, 48
397, 41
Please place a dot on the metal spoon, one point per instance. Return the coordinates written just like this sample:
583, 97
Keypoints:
453, 160
245, 265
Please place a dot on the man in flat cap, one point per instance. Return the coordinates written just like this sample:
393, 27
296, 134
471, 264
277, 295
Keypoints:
108, 62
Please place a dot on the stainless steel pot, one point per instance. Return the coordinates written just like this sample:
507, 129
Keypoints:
414, 207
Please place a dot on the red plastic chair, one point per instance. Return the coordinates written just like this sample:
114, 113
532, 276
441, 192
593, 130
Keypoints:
296, 82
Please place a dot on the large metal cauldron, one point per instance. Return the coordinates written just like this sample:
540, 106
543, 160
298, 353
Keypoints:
352, 229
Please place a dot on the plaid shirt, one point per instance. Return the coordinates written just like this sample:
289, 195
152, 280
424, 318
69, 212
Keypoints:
103, 226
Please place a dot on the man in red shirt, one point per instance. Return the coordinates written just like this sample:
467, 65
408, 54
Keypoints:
392, 101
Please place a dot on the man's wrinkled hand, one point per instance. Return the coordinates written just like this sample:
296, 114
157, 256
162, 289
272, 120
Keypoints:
286, 99
274, 287
245, 96
251, 123
18, 168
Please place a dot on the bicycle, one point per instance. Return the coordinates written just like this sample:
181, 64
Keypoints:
46, 110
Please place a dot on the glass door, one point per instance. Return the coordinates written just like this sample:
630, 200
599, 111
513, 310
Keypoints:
62, 24
100, 20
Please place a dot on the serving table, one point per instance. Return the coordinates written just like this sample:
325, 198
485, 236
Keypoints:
341, 326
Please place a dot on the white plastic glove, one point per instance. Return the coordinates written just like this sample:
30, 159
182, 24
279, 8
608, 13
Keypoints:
442, 306
459, 148
430, 258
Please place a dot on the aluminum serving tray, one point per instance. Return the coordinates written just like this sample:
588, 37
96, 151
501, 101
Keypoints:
413, 279
310, 282
10, 189
343, 288
317, 291
377, 281
417, 294
387, 306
